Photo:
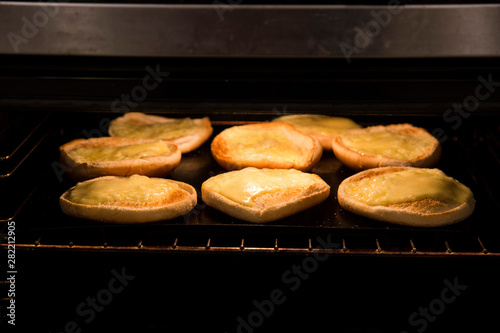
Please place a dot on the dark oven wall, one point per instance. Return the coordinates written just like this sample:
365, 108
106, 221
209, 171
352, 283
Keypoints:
260, 86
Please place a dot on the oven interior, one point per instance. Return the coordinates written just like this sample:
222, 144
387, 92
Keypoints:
208, 271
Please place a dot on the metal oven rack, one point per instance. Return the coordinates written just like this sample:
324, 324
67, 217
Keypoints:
308, 249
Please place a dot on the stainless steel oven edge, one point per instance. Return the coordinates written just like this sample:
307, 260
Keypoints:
240, 30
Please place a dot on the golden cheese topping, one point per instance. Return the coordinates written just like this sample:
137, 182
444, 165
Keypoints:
319, 124
119, 153
245, 185
134, 189
262, 143
388, 143
166, 131
407, 186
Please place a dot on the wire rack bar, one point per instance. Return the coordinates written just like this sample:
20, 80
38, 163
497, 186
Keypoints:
208, 248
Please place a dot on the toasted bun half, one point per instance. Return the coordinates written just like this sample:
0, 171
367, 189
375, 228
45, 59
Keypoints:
157, 165
266, 145
264, 195
428, 155
322, 127
426, 212
198, 131
178, 203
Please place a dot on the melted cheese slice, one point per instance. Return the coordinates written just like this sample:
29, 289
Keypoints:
319, 124
245, 185
168, 130
252, 144
119, 153
407, 186
387, 143
134, 189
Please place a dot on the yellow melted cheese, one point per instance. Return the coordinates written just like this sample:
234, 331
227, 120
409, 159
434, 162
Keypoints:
407, 186
119, 153
251, 144
388, 144
319, 124
168, 130
245, 185
134, 189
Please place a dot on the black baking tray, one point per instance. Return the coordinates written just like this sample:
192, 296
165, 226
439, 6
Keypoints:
468, 156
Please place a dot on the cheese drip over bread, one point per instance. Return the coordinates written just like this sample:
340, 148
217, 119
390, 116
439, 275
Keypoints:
167, 130
119, 153
245, 185
387, 143
249, 144
407, 186
134, 189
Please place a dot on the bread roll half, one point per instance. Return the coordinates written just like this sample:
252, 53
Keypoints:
264, 195
391, 145
134, 199
187, 133
416, 197
322, 127
106, 156
266, 145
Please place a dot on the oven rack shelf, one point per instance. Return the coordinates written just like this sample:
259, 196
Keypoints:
344, 246
469, 157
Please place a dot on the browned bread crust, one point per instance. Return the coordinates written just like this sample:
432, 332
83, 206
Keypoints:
177, 204
308, 148
186, 143
358, 162
270, 206
422, 213
324, 139
153, 166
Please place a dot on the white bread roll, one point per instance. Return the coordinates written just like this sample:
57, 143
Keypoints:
322, 127
188, 134
416, 197
134, 199
266, 145
391, 145
264, 195
106, 156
